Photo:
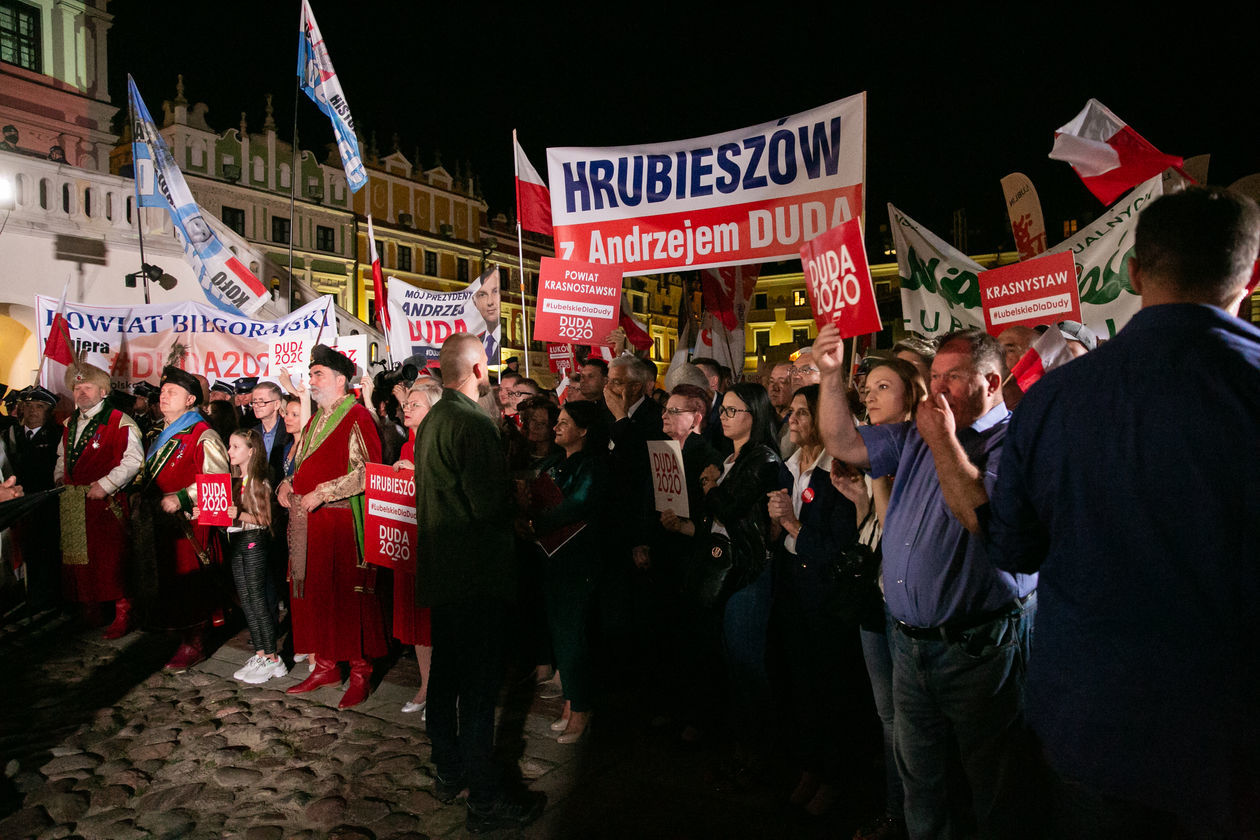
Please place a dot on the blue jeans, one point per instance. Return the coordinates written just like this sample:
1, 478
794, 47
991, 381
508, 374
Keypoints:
969, 690
877, 651
745, 625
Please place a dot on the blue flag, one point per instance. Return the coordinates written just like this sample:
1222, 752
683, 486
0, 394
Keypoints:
319, 81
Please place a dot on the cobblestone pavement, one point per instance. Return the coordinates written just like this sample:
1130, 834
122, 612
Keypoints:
99, 742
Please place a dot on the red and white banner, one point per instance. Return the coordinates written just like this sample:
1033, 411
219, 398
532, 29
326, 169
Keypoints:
668, 482
578, 303
746, 196
214, 497
1028, 225
838, 279
389, 518
533, 201
378, 281
133, 343
1109, 156
1030, 293
725, 294
561, 357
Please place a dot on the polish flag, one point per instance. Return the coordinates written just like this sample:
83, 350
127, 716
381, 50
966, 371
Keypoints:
1047, 353
533, 199
636, 330
1110, 157
378, 280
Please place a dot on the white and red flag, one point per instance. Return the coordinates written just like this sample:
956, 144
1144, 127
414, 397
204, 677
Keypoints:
1109, 156
533, 199
1047, 353
636, 330
378, 280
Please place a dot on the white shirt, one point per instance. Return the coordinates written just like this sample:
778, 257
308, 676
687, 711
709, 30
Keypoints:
800, 481
132, 459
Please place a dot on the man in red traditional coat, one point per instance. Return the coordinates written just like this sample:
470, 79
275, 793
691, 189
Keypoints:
334, 609
181, 554
99, 454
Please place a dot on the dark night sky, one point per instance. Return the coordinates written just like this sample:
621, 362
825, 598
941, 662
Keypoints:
956, 100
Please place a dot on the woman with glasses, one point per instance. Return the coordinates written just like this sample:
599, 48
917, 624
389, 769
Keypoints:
565, 507
735, 510
411, 623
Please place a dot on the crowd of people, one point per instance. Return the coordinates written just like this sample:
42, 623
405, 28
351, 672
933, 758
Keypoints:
866, 552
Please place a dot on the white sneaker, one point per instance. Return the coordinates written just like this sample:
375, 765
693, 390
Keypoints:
251, 665
262, 670
299, 657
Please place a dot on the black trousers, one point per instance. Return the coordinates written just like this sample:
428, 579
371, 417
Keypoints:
248, 559
463, 686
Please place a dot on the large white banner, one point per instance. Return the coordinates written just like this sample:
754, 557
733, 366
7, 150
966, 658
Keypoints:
745, 196
421, 319
226, 281
133, 343
940, 291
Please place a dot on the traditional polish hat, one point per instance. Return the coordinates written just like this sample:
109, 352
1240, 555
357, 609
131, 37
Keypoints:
81, 372
36, 393
325, 356
185, 380
144, 389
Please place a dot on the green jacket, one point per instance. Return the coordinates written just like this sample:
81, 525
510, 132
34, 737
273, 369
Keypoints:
463, 507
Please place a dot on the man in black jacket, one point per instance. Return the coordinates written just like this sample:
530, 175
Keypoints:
267, 402
32, 447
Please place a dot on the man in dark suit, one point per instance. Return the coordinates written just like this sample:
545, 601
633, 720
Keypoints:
267, 402
466, 574
32, 447
713, 421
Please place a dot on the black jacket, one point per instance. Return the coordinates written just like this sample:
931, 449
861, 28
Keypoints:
740, 504
275, 461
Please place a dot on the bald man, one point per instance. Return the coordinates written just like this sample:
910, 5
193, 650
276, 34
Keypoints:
466, 574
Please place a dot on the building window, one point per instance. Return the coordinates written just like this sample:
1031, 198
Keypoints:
759, 300
800, 336
19, 34
325, 239
380, 250
279, 230
639, 304
234, 217
430, 263
1069, 227
761, 340
461, 270
798, 298
404, 258
656, 347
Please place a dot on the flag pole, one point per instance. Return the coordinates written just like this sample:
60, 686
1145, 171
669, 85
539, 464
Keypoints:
135, 180
520, 252
293, 177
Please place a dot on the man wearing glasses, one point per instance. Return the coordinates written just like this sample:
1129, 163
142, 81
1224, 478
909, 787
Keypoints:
266, 400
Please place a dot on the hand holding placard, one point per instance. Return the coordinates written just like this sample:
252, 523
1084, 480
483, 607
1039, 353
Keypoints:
668, 482
214, 498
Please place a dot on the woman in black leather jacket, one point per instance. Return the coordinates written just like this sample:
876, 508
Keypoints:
735, 504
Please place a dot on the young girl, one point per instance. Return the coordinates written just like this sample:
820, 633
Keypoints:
249, 537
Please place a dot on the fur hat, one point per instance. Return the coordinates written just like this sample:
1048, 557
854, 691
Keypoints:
81, 371
185, 380
325, 356
686, 374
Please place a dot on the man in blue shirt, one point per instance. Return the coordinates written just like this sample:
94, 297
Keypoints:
961, 634
1131, 480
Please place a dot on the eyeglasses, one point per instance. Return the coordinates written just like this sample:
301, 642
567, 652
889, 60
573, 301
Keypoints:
804, 371
257, 403
413, 406
729, 411
676, 411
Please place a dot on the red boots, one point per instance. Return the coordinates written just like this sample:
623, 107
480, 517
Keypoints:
122, 620
359, 687
325, 673
189, 653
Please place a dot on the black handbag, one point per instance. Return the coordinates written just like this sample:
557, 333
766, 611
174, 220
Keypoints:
705, 577
851, 583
